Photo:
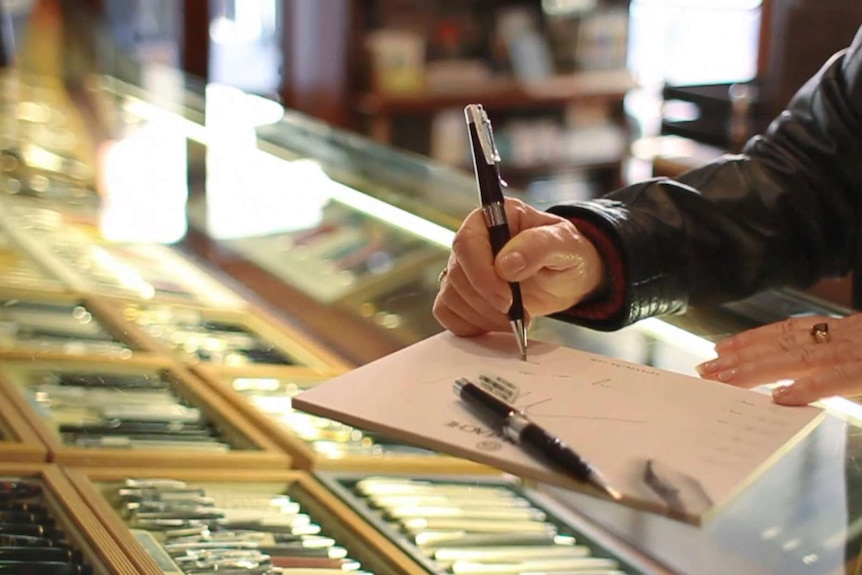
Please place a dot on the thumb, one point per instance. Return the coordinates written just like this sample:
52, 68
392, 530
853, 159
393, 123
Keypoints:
556, 247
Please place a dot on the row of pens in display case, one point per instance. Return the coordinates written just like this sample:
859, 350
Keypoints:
31, 543
269, 527
455, 528
142, 409
484, 526
71, 327
243, 531
130, 410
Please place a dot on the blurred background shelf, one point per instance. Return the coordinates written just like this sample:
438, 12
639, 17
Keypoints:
506, 92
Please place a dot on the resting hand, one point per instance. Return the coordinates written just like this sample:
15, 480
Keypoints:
555, 265
787, 350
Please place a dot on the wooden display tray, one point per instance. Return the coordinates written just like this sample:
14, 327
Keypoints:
213, 292
260, 452
365, 544
18, 441
109, 322
48, 285
303, 455
197, 283
74, 517
287, 339
566, 519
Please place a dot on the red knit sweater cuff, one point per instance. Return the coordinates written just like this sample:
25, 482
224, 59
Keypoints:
611, 301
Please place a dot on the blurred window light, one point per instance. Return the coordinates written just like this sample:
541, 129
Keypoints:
685, 42
245, 44
565, 7
144, 185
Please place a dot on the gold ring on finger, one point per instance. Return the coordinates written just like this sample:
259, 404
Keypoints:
820, 333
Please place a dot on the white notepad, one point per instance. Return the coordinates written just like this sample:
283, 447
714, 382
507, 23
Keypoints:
671, 443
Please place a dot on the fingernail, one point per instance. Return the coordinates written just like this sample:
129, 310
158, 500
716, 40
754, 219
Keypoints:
791, 394
705, 367
782, 394
512, 263
715, 365
727, 375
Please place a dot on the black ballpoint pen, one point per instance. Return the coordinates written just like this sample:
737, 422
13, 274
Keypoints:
518, 428
486, 161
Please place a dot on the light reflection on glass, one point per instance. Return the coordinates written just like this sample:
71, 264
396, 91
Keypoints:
249, 192
144, 185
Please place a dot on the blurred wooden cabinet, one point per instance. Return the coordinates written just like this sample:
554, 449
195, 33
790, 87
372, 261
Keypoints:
797, 37
401, 71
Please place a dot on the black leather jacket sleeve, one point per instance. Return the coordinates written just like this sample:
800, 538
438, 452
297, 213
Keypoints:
785, 212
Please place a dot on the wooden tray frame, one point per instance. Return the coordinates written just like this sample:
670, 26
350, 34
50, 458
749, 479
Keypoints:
234, 425
303, 456
376, 552
108, 321
76, 520
285, 337
18, 441
40, 291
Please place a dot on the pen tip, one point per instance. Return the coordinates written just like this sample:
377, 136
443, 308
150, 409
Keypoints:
520, 332
613, 493
602, 485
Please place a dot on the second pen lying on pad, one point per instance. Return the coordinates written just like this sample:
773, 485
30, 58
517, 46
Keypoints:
518, 428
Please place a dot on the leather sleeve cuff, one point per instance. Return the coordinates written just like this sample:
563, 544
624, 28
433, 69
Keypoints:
642, 271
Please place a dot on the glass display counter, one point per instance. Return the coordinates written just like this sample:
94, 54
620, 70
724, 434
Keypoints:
273, 227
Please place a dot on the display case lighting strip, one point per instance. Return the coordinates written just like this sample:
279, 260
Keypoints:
193, 130
846, 407
677, 336
390, 214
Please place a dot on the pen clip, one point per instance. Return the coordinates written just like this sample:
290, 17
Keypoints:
479, 118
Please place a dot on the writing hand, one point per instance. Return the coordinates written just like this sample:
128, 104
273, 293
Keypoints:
787, 350
555, 265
